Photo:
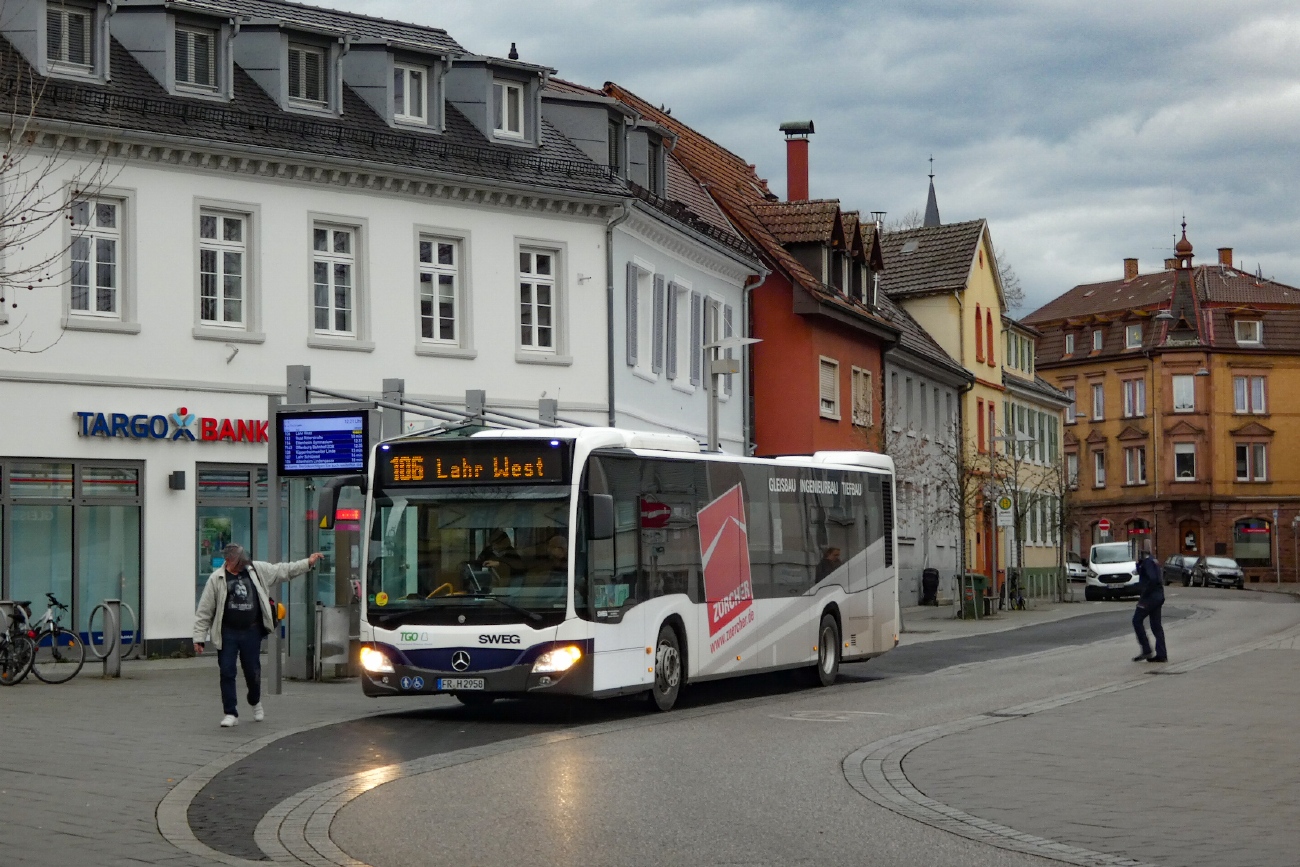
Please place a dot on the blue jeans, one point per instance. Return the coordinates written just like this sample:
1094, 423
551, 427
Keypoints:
246, 645
1151, 610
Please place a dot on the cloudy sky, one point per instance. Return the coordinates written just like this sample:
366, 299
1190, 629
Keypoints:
1082, 131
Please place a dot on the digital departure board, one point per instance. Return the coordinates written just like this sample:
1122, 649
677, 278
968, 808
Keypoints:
474, 462
322, 443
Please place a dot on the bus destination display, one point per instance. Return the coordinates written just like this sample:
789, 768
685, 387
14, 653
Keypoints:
322, 443
475, 463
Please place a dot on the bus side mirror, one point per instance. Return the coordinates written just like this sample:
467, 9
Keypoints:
328, 497
600, 509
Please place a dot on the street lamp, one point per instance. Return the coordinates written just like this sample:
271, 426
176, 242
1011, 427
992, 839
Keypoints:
718, 367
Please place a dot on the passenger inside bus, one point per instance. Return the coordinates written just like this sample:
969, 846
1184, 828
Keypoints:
551, 567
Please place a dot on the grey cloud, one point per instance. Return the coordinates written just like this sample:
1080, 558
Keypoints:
1081, 130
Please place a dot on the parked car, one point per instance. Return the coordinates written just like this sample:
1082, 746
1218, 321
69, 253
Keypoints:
1112, 572
1074, 565
1178, 569
1218, 572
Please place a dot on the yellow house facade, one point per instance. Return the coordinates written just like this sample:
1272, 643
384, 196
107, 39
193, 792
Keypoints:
946, 277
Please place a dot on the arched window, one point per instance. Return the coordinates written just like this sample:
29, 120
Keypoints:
979, 334
988, 320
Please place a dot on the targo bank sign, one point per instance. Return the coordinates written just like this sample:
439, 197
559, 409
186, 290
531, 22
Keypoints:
180, 425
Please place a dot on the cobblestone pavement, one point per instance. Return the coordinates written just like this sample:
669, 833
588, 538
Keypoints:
1193, 769
90, 769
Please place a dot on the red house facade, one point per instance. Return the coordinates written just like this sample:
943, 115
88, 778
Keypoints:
817, 376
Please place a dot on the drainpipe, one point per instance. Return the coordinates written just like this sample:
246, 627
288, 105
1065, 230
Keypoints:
625, 212
747, 373
106, 40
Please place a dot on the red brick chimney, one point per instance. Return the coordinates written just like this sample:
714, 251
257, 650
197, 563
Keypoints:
1130, 269
796, 159
1225, 256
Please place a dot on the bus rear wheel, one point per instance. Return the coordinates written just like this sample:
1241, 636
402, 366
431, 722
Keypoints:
668, 670
828, 651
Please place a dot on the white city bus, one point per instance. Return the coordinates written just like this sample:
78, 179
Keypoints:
602, 562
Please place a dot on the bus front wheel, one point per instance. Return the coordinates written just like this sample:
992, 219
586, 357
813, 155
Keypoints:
668, 670
828, 651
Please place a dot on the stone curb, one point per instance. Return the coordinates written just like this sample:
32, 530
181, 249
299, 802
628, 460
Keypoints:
876, 771
172, 813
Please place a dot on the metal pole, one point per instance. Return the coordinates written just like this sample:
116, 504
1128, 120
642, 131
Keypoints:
713, 402
1277, 550
393, 422
274, 666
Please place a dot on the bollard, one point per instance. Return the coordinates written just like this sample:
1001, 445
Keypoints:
113, 620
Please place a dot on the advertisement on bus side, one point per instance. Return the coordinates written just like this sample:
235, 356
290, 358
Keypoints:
724, 551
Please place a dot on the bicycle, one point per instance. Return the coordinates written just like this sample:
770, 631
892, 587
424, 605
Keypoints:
16, 650
60, 653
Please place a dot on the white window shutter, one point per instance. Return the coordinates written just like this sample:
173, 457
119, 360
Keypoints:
727, 332
671, 333
697, 337
633, 275
657, 336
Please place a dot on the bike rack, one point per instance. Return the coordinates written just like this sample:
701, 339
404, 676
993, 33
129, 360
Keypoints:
112, 656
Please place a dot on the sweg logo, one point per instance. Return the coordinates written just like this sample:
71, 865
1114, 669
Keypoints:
157, 427
498, 639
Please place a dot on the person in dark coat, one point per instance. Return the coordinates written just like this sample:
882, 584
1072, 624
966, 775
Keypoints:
1151, 597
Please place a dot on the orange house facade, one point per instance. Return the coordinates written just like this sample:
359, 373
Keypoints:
1185, 384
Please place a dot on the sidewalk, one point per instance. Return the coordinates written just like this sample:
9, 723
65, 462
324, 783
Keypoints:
1193, 770
935, 623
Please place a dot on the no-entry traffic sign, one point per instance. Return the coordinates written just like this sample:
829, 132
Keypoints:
1104, 525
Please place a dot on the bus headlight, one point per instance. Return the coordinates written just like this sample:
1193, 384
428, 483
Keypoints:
375, 661
557, 660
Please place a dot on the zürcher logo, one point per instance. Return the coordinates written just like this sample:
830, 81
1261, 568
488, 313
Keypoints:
724, 548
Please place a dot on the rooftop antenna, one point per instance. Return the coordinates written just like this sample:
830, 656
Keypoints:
932, 167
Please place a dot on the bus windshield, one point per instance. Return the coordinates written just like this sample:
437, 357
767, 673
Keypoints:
486, 555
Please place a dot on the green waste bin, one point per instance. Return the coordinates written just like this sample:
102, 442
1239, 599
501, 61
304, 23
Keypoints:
973, 588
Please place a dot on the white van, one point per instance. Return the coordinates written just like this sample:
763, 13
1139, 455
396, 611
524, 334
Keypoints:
1112, 571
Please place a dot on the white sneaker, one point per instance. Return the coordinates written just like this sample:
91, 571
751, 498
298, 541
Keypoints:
258, 713
229, 720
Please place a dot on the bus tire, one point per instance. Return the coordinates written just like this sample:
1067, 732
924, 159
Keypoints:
828, 650
474, 699
668, 670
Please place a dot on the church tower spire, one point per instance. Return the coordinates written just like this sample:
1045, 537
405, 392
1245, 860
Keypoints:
931, 203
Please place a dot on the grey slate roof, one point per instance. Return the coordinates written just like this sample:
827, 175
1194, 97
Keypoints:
929, 259
914, 339
1037, 385
313, 17
134, 101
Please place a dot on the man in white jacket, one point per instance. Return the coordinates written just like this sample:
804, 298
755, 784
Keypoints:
235, 610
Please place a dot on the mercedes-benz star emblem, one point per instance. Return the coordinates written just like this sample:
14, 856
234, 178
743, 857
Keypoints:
460, 660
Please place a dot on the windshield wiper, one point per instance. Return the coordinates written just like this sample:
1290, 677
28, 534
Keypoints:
532, 615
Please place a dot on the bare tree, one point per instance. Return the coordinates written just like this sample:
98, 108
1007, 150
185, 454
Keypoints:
913, 219
1028, 479
44, 180
1013, 292
957, 473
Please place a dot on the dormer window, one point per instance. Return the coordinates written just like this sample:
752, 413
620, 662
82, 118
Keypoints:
508, 109
409, 93
655, 168
615, 136
307, 74
1250, 332
1133, 336
69, 37
196, 57
1096, 340
1069, 344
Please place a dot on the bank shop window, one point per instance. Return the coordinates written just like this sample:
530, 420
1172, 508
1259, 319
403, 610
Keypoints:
71, 528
